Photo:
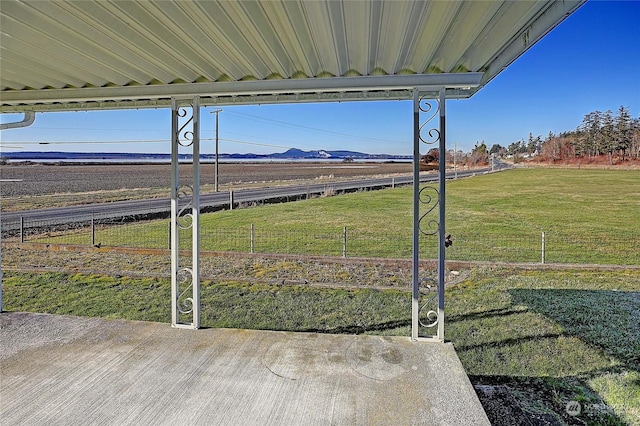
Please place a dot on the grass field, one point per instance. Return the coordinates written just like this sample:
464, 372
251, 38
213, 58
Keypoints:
547, 337
588, 216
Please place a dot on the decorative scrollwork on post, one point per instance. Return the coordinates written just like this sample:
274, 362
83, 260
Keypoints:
185, 131
429, 197
431, 107
429, 135
185, 206
185, 198
184, 277
428, 313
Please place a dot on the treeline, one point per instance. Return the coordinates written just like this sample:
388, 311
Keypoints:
600, 133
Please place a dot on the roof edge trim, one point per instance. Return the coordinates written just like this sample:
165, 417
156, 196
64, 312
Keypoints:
242, 88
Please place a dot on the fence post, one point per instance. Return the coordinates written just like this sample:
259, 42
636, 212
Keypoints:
93, 231
230, 200
543, 246
252, 238
22, 229
393, 183
344, 242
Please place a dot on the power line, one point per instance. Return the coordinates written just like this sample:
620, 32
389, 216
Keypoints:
255, 143
278, 122
35, 127
85, 142
285, 124
228, 111
139, 141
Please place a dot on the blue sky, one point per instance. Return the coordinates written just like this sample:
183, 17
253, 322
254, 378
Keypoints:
589, 62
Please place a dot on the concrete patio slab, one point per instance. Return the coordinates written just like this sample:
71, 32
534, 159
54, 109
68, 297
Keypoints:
62, 370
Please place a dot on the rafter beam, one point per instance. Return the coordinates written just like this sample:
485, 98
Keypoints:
345, 87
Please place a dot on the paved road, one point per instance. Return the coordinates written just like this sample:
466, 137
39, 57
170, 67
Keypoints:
210, 201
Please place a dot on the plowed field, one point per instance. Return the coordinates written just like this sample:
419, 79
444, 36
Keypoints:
42, 179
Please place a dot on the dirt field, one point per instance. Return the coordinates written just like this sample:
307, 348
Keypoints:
43, 179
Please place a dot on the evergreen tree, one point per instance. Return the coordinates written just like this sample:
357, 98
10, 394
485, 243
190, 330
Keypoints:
590, 137
635, 139
496, 149
599, 133
623, 132
531, 145
608, 142
479, 154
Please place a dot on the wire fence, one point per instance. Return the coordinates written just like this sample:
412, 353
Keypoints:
533, 247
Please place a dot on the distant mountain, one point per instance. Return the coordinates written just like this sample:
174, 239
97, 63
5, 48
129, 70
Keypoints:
290, 154
297, 154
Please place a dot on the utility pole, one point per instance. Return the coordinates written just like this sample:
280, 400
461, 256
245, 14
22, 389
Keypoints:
216, 160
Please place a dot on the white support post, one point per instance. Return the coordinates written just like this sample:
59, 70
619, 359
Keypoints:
415, 298
428, 313
185, 214
174, 213
195, 213
442, 178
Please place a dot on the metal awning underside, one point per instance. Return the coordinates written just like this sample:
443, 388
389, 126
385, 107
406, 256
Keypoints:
77, 55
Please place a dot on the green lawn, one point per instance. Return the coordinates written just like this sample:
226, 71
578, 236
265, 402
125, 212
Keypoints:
588, 216
552, 336
564, 333
549, 336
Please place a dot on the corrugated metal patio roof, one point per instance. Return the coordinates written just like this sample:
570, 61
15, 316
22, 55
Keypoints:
74, 55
